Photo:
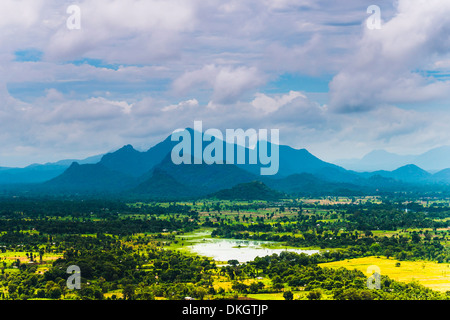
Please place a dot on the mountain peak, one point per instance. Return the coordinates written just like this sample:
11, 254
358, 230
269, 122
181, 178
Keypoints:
127, 147
410, 173
377, 152
74, 164
410, 168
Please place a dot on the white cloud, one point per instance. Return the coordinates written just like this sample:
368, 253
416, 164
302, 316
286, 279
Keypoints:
226, 83
20, 14
285, 4
60, 126
192, 103
176, 61
126, 31
268, 104
230, 84
384, 68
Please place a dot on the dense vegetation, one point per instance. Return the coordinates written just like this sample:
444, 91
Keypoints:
351, 228
129, 251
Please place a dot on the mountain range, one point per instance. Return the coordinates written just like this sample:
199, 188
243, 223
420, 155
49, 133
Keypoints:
152, 174
433, 160
36, 173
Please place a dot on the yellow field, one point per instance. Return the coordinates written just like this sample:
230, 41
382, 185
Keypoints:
430, 274
22, 256
226, 284
268, 296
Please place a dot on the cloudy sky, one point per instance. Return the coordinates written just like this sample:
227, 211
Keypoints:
136, 70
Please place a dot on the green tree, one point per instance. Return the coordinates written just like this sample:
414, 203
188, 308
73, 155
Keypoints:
278, 286
375, 248
415, 237
55, 293
239, 287
256, 286
41, 254
128, 292
288, 295
315, 294
200, 293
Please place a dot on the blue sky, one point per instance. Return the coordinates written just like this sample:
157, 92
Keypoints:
137, 70
28, 55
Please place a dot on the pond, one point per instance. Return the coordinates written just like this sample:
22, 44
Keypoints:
241, 250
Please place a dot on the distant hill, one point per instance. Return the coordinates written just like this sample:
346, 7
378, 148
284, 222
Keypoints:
442, 176
409, 173
255, 190
126, 160
434, 160
135, 163
376, 160
89, 178
293, 161
153, 175
68, 162
38, 173
31, 174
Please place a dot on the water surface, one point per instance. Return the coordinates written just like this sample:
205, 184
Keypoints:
241, 250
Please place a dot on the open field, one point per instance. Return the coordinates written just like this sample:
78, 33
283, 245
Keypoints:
430, 274
22, 256
268, 296
9, 258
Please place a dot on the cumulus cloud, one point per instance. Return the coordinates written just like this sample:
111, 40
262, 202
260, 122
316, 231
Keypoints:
58, 126
385, 68
110, 26
268, 104
138, 69
230, 47
226, 83
192, 103
21, 14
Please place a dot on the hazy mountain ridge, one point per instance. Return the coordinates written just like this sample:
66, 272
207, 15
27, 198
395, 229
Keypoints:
153, 174
433, 160
89, 177
38, 173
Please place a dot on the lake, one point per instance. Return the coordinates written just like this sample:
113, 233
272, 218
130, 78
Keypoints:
241, 250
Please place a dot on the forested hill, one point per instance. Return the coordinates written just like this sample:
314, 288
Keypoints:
255, 190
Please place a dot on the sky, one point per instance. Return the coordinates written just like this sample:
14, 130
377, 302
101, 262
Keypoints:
133, 71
